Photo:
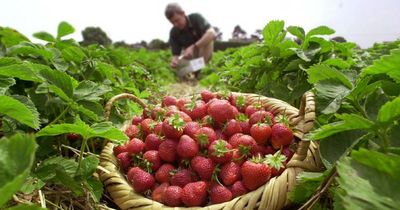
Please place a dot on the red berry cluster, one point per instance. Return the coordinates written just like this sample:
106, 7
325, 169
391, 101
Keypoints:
210, 149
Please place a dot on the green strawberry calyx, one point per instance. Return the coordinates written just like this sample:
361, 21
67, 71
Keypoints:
276, 160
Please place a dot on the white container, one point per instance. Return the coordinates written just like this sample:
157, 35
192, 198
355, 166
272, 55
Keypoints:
189, 66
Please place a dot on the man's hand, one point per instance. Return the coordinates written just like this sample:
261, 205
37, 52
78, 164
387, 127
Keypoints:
189, 52
174, 62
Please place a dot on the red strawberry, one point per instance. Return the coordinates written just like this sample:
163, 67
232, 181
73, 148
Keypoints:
207, 121
170, 109
187, 147
281, 135
207, 95
75, 136
220, 194
260, 132
119, 149
288, 152
238, 189
203, 166
232, 127
220, 151
245, 143
132, 131
173, 196
167, 150
195, 194
136, 120
234, 140
152, 142
124, 160
276, 162
158, 113
158, 129
172, 127
230, 173
253, 108
238, 101
181, 177
141, 180
195, 109
258, 150
244, 123
255, 173
153, 157
181, 103
205, 136
221, 111
147, 125
158, 193
169, 101
135, 146
221, 135
238, 157
261, 116
191, 129
163, 173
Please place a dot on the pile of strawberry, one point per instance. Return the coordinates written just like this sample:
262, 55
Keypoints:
209, 149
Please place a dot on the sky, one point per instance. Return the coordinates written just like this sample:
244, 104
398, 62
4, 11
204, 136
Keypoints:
360, 21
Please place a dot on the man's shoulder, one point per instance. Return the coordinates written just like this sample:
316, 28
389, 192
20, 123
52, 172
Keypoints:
195, 16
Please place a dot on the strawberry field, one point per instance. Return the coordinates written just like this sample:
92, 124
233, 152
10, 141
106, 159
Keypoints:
210, 143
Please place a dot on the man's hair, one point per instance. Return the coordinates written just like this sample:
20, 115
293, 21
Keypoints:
171, 9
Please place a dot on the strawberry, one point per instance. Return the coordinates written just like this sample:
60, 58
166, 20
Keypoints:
288, 152
136, 120
237, 157
191, 128
135, 146
147, 125
238, 101
205, 136
195, 194
244, 143
173, 195
141, 180
230, 173
234, 140
255, 173
220, 194
220, 134
261, 116
250, 109
169, 101
158, 193
163, 173
276, 162
258, 150
207, 121
170, 109
244, 123
281, 135
221, 111
232, 127
172, 127
158, 129
181, 103
187, 147
119, 149
132, 131
220, 151
167, 150
152, 142
260, 132
207, 95
153, 158
195, 109
73, 136
238, 189
203, 166
158, 113
124, 160
181, 177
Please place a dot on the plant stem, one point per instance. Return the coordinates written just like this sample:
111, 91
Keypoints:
83, 146
60, 115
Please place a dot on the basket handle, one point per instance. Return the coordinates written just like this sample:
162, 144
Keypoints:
107, 108
307, 116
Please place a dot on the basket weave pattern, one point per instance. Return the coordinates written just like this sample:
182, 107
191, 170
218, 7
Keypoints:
270, 196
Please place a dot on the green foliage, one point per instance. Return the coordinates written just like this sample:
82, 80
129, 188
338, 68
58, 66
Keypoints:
16, 160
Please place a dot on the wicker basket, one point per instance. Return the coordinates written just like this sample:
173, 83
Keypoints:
270, 196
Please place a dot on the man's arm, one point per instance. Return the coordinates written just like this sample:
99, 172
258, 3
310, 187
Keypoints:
207, 37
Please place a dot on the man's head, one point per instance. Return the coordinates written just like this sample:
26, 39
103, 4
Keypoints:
176, 15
